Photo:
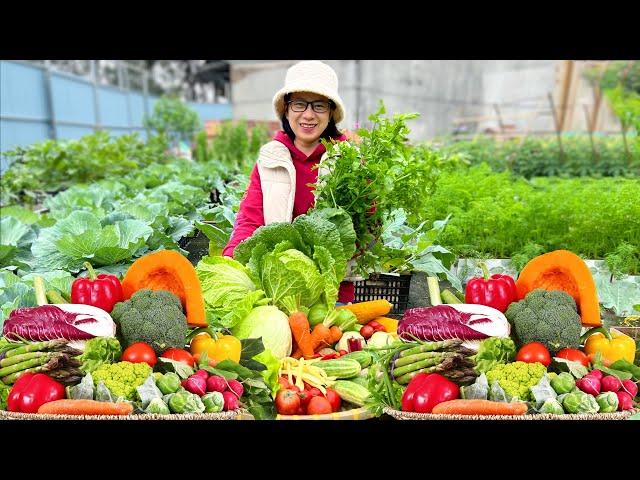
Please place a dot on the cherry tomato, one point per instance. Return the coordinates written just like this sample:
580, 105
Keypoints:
534, 352
574, 355
287, 402
319, 405
334, 399
140, 352
179, 356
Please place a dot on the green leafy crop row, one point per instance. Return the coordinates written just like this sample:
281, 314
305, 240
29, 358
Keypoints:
500, 216
542, 156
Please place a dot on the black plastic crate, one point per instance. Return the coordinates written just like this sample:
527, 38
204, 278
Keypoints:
394, 288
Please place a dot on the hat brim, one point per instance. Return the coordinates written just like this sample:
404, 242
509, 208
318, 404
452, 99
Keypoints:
279, 106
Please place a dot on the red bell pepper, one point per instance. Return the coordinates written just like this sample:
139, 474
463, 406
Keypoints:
426, 390
102, 291
32, 390
497, 291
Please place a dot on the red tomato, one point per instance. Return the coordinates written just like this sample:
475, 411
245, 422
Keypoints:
140, 352
287, 402
334, 399
373, 324
179, 356
574, 355
367, 331
319, 405
534, 352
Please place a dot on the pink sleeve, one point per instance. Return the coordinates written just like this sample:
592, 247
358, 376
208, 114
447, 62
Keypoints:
250, 216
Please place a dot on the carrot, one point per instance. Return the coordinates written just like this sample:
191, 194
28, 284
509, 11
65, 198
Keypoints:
336, 334
85, 407
480, 407
320, 337
367, 311
300, 330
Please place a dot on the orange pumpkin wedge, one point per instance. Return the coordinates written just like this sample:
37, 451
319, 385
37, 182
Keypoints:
566, 271
168, 270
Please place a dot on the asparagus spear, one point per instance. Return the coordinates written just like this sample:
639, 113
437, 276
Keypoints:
52, 364
6, 362
33, 362
441, 367
36, 347
409, 359
427, 362
431, 347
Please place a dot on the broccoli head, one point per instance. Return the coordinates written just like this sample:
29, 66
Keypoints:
546, 316
151, 316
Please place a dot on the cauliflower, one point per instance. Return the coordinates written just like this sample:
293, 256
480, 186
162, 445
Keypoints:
154, 317
517, 378
122, 378
546, 316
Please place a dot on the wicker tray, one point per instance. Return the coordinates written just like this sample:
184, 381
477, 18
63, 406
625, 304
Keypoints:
353, 414
399, 415
232, 415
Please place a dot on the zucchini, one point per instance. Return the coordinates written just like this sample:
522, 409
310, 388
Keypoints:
363, 358
351, 392
339, 368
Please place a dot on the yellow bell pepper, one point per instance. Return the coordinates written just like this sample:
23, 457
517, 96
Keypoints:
220, 348
613, 345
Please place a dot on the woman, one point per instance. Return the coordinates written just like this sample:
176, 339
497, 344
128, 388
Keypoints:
309, 108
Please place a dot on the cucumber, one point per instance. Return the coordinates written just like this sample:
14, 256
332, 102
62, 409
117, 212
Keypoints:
339, 368
363, 358
364, 381
351, 392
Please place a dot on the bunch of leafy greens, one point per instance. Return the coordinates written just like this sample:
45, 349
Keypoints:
492, 351
405, 249
228, 289
376, 176
99, 350
305, 260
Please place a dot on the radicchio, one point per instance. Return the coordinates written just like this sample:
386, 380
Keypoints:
468, 322
50, 322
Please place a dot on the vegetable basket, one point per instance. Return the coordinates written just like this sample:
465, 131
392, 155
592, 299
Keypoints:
229, 415
399, 415
392, 287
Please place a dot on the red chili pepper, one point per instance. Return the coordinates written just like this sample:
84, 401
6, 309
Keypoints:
102, 291
426, 390
497, 291
30, 391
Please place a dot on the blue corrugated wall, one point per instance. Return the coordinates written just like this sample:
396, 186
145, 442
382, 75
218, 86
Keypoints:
26, 108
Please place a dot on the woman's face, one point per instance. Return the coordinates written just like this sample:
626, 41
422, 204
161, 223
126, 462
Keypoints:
309, 124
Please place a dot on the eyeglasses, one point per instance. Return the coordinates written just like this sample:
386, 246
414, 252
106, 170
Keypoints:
317, 106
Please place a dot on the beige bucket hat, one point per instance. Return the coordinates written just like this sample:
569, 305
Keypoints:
310, 76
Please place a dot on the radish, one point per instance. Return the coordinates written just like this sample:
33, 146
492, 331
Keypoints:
236, 387
202, 373
589, 384
625, 401
196, 384
630, 387
611, 384
230, 400
216, 383
596, 373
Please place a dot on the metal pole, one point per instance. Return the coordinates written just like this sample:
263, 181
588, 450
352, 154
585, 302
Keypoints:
145, 92
358, 90
128, 88
53, 129
590, 130
120, 75
96, 101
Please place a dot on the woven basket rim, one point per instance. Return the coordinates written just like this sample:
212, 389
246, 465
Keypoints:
229, 415
400, 415
364, 413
